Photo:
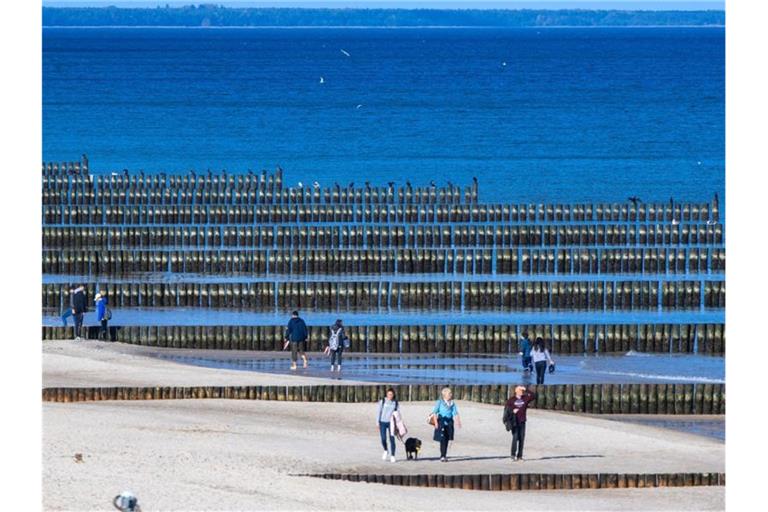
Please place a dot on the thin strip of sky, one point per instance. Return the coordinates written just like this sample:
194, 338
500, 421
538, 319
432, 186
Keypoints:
694, 5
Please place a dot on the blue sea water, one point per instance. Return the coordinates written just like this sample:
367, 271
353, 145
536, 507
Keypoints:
535, 114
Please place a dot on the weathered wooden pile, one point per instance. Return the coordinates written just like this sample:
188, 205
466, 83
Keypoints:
249, 242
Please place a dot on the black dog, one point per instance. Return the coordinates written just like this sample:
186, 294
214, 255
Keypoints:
412, 447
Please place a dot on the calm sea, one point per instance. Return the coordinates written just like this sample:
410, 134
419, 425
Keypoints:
535, 114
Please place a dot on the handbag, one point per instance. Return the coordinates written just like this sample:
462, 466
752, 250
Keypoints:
432, 420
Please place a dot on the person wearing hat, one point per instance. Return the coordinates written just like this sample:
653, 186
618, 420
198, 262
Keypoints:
101, 315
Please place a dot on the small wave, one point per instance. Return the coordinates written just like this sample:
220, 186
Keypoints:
633, 353
683, 378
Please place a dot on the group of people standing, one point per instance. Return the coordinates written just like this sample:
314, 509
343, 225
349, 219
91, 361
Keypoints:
445, 418
78, 307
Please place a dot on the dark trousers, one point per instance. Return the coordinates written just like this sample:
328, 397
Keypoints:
527, 364
66, 314
518, 438
297, 347
445, 427
104, 331
78, 323
541, 370
385, 426
336, 354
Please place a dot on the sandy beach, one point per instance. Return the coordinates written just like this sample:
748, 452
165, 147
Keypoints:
244, 455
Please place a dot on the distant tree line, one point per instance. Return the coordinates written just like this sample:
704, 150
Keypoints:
219, 16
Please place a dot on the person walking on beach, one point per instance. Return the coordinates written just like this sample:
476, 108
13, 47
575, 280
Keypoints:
79, 308
525, 352
515, 416
102, 315
444, 413
387, 407
296, 334
541, 359
337, 342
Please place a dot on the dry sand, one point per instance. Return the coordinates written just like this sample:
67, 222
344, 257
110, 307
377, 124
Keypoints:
242, 455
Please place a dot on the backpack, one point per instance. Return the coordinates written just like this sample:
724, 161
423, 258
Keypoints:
333, 341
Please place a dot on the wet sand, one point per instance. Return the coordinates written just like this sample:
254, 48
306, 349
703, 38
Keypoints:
242, 455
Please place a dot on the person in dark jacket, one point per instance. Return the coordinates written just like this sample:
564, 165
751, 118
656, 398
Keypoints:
296, 334
336, 342
101, 315
79, 308
515, 417
525, 352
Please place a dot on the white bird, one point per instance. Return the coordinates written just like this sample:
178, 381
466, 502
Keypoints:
503, 63
322, 80
301, 185
345, 52
316, 185
359, 105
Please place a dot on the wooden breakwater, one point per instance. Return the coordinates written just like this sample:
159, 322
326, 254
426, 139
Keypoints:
124, 260
533, 481
374, 296
429, 339
162, 240
687, 399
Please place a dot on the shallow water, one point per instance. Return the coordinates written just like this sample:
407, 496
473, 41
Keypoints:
210, 316
628, 368
709, 427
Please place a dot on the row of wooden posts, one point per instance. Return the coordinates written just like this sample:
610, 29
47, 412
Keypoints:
371, 296
533, 481
128, 213
581, 398
428, 339
264, 262
367, 236
213, 193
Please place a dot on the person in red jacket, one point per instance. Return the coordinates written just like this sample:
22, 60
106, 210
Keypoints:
515, 418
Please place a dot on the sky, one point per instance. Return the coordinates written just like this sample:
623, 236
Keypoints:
415, 4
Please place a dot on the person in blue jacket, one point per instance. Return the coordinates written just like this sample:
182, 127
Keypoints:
101, 315
445, 413
525, 351
296, 334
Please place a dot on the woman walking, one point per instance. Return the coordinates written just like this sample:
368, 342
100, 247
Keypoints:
443, 416
515, 416
387, 406
541, 359
336, 343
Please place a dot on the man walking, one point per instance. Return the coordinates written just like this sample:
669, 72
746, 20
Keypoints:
79, 308
296, 334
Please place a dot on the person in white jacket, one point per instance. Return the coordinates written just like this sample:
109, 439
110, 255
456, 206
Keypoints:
541, 359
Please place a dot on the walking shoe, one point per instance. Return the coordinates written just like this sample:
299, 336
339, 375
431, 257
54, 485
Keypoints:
392, 459
77, 338
293, 366
338, 367
384, 456
443, 459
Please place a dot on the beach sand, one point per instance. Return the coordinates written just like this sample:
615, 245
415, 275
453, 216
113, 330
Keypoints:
243, 455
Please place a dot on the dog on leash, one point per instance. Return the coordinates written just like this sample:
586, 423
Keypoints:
412, 448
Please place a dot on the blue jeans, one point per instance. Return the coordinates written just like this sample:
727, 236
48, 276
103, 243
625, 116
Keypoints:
66, 314
383, 427
528, 363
